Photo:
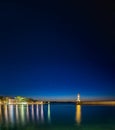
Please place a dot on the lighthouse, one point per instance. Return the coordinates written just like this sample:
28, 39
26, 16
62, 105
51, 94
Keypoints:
78, 98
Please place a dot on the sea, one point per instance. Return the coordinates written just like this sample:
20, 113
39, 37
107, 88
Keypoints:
57, 116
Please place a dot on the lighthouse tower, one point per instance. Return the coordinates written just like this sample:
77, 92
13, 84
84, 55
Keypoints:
78, 97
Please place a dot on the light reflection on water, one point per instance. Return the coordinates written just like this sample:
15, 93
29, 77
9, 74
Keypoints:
0, 114
17, 114
24, 116
49, 115
42, 114
78, 114
5, 114
32, 112
11, 114
37, 113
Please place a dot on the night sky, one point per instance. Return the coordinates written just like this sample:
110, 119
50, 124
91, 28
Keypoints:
55, 49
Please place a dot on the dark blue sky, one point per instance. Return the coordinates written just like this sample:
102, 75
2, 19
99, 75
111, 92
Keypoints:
55, 49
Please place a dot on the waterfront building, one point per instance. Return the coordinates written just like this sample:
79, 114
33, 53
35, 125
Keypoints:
11, 101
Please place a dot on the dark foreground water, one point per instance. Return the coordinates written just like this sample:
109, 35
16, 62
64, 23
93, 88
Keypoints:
57, 117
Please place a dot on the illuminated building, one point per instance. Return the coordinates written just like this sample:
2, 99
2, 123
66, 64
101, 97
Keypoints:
11, 101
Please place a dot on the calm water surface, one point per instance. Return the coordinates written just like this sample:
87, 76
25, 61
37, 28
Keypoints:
57, 117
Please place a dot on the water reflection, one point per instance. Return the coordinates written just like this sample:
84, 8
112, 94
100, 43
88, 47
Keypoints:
32, 112
22, 114
49, 115
17, 114
78, 114
37, 113
12, 115
27, 113
42, 113
0, 113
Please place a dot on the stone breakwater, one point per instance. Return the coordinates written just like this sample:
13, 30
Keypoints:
97, 103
